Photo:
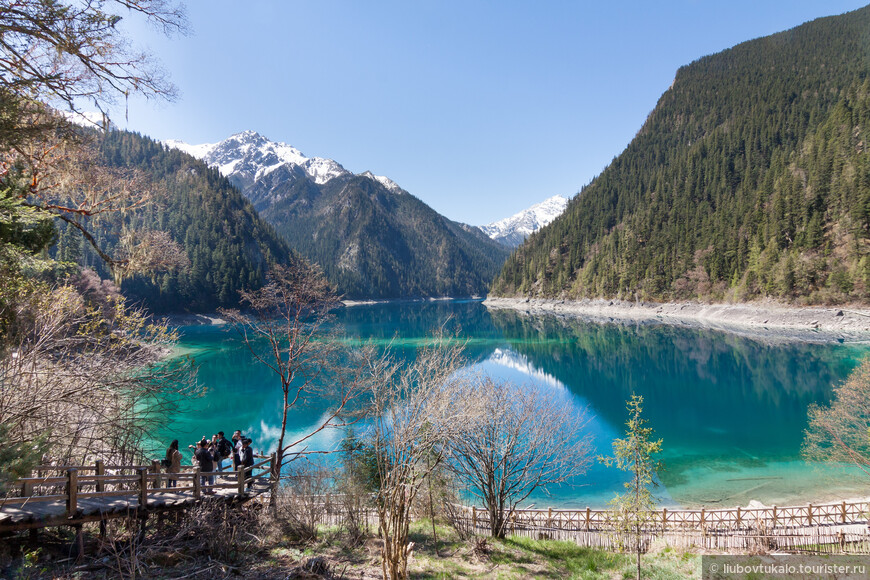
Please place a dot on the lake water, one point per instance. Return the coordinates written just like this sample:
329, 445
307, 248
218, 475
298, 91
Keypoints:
731, 411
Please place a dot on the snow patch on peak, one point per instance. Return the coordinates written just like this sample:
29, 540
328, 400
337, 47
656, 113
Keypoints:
89, 119
248, 157
198, 151
385, 181
512, 230
251, 156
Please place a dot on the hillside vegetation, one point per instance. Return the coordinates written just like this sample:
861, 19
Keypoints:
229, 247
375, 243
750, 179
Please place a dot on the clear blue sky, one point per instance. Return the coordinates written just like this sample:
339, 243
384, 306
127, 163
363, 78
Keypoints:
479, 108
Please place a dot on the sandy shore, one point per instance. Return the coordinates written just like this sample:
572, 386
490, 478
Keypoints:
762, 319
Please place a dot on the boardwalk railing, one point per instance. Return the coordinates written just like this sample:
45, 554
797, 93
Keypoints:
813, 528
140, 487
75, 494
840, 526
711, 521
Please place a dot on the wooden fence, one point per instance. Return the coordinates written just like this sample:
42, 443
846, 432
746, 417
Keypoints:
75, 494
829, 527
68, 495
814, 528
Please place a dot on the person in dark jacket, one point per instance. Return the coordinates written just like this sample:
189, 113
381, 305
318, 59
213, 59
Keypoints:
203, 456
224, 450
246, 457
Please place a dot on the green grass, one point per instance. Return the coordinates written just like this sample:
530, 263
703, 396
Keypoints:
517, 558
566, 559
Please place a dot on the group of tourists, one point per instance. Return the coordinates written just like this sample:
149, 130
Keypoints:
209, 454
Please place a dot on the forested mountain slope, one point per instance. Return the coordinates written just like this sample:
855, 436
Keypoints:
372, 238
375, 243
750, 178
228, 245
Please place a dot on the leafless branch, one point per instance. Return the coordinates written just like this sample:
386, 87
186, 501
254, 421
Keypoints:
514, 441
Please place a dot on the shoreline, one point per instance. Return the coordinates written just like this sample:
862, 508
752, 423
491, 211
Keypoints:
212, 318
765, 320
371, 301
215, 318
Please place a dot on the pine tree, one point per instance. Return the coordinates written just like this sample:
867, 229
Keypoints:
634, 509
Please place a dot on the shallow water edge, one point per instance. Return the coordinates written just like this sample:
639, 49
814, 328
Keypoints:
766, 321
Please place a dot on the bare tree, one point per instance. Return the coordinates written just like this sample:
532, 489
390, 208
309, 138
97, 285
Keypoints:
81, 375
841, 432
515, 440
64, 52
87, 378
287, 330
67, 51
412, 414
66, 179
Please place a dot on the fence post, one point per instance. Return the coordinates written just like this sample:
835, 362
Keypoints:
843, 511
27, 488
474, 518
72, 492
664, 519
703, 513
587, 519
197, 491
810, 513
738, 518
241, 478
101, 470
143, 487
549, 517
155, 468
101, 487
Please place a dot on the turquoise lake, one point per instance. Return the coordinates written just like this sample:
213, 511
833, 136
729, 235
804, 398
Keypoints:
731, 410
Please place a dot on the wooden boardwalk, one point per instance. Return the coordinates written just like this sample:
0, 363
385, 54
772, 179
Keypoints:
74, 495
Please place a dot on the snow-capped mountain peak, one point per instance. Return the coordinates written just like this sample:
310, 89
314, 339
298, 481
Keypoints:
385, 181
511, 231
248, 156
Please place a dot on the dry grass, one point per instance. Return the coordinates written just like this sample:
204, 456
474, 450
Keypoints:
220, 541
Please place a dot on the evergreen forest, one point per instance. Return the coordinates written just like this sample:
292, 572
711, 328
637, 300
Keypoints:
749, 179
374, 243
229, 248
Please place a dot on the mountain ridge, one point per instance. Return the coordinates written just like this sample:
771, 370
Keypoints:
261, 156
372, 238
